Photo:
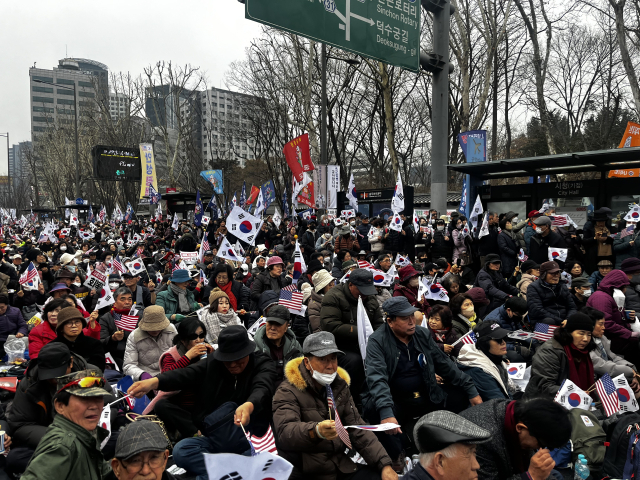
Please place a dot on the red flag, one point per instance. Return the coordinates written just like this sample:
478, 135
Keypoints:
298, 156
253, 195
307, 195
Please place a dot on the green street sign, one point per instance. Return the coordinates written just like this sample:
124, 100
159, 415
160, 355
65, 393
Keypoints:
385, 30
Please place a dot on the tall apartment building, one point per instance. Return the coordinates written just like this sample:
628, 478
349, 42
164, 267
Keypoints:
225, 129
18, 168
119, 105
51, 104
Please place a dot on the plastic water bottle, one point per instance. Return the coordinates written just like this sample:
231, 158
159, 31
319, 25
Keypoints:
581, 468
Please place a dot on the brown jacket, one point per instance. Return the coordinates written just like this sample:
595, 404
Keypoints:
313, 309
298, 406
342, 243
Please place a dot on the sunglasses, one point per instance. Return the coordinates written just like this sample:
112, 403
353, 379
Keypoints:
86, 382
193, 336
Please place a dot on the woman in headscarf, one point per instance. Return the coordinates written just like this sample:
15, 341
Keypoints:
239, 295
219, 315
408, 287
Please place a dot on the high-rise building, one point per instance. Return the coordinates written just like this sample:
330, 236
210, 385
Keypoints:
18, 167
53, 104
119, 105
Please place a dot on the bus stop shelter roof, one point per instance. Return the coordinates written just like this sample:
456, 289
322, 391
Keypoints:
578, 162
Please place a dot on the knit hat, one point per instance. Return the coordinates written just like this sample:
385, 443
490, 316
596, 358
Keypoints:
275, 260
478, 296
579, 321
528, 265
630, 265
216, 293
66, 315
153, 319
314, 266
321, 279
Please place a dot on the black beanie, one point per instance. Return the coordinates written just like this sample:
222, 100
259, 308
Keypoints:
579, 321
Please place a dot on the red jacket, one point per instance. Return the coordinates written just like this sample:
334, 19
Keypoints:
43, 334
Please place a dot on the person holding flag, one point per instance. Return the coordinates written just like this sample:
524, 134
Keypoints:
114, 331
548, 298
398, 389
543, 239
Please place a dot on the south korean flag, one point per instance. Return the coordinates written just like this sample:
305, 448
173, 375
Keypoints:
626, 397
571, 396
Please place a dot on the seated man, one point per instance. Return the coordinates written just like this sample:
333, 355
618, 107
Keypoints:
518, 429
304, 423
71, 447
548, 297
114, 335
233, 375
408, 376
509, 316
141, 453
277, 340
447, 445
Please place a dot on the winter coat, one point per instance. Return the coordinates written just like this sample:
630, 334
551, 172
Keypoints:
617, 328
143, 352
363, 237
69, 450
394, 242
88, 348
529, 232
594, 279
338, 315
299, 405
345, 243
493, 456
539, 247
239, 290
549, 301
336, 270
321, 243
632, 294
115, 347
522, 286
169, 301
265, 281
213, 385
622, 248
449, 339
307, 242
11, 323
373, 237
461, 324
500, 315
509, 244
187, 243
440, 248
313, 311
460, 248
614, 365
381, 362
495, 286
42, 334
489, 243
487, 377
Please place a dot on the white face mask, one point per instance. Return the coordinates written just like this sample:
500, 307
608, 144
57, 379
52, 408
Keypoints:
63, 248
114, 285
352, 222
586, 293
77, 284
538, 230
326, 259
619, 298
440, 228
324, 378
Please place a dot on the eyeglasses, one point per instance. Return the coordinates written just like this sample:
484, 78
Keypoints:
86, 382
194, 336
135, 465
74, 323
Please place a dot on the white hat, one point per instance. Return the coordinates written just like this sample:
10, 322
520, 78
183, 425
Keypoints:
321, 279
66, 258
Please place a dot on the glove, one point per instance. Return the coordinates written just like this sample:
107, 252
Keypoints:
179, 318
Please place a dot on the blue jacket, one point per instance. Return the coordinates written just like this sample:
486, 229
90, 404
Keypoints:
529, 232
500, 315
11, 323
595, 278
549, 301
487, 386
363, 240
623, 250
382, 359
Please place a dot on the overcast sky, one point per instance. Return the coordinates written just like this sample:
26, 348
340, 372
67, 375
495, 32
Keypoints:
125, 35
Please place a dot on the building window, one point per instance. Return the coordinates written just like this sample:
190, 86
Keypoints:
65, 111
85, 104
39, 129
42, 89
42, 100
42, 79
87, 94
42, 119
62, 101
43, 109
65, 81
62, 91
86, 84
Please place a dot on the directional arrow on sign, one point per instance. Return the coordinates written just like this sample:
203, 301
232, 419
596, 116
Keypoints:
346, 18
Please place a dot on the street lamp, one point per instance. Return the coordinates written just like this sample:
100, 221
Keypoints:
75, 111
323, 107
8, 163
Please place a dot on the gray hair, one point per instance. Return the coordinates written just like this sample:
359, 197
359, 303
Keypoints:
426, 459
121, 291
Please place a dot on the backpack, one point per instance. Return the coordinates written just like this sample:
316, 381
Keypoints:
616, 457
588, 437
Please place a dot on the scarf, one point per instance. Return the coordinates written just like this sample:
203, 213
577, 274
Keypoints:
440, 334
120, 311
601, 350
232, 298
580, 366
469, 321
183, 304
516, 455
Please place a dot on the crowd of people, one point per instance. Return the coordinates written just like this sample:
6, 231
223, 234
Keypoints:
218, 351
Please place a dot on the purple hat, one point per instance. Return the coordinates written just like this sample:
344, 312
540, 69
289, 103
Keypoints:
59, 286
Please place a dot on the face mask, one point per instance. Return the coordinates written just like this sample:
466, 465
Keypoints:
586, 293
86, 260
352, 222
440, 228
114, 285
468, 312
77, 284
514, 220
324, 378
63, 248
459, 227
538, 230
326, 259
509, 227
71, 268
619, 298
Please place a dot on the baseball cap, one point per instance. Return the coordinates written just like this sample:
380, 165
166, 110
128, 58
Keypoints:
491, 330
278, 314
93, 388
140, 436
398, 307
320, 344
53, 360
363, 279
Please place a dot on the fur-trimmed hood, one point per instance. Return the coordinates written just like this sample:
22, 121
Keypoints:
293, 374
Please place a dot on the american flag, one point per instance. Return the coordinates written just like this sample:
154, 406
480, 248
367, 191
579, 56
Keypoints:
608, 395
117, 264
291, 297
266, 443
205, 244
29, 274
627, 231
128, 323
469, 338
543, 331
559, 220
364, 264
340, 430
522, 257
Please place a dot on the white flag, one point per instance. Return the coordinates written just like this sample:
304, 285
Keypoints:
416, 222
243, 225
136, 267
227, 251
435, 291
626, 397
364, 328
277, 218
230, 466
558, 254
633, 215
352, 195
105, 422
476, 212
484, 230
397, 202
571, 396
204, 246
516, 370
396, 223
402, 261
381, 279
259, 204
176, 221
239, 249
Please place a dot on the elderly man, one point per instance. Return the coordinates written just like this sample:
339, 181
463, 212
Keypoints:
447, 445
141, 296
71, 447
543, 239
522, 433
141, 453
178, 300
114, 332
339, 315
548, 298
305, 424
233, 386
408, 376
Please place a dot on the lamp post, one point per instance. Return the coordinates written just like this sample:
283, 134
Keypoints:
8, 163
75, 111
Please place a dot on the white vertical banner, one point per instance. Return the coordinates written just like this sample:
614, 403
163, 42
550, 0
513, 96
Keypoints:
320, 185
333, 185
